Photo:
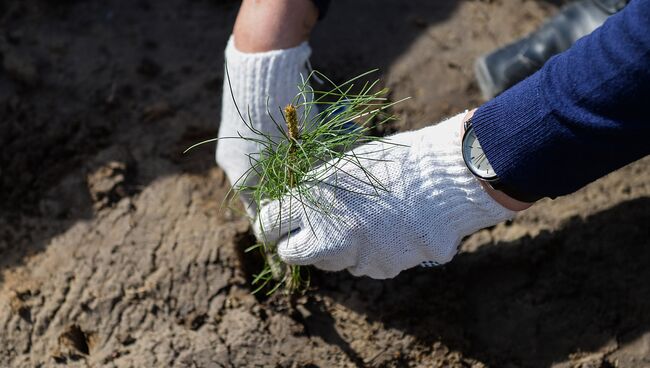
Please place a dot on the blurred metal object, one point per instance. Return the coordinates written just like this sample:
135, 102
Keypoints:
505, 67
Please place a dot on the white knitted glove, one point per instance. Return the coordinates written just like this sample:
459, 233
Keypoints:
261, 83
432, 201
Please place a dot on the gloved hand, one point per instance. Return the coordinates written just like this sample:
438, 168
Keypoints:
261, 84
430, 202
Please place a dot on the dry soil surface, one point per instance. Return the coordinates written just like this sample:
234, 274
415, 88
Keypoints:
114, 251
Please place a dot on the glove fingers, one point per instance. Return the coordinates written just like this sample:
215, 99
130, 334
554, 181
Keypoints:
300, 248
276, 220
331, 265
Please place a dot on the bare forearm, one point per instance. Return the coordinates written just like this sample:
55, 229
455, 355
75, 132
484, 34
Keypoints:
264, 25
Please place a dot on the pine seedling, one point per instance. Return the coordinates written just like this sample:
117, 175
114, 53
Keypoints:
315, 138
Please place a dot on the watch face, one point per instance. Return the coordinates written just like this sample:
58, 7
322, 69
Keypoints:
475, 157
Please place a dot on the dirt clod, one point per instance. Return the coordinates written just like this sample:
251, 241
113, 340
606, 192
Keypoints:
106, 184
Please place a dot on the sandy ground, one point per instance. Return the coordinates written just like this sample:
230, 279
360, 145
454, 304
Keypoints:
114, 251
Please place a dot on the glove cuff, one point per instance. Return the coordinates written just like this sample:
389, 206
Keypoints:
460, 205
262, 80
258, 84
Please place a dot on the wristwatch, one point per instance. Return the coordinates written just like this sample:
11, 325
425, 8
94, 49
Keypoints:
477, 162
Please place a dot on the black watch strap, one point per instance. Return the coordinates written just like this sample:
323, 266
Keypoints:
514, 193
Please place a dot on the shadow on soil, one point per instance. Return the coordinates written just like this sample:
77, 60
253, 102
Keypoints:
530, 302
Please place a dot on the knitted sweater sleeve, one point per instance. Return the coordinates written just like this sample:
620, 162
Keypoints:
583, 115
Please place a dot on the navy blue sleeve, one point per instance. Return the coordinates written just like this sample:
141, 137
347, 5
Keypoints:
583, 115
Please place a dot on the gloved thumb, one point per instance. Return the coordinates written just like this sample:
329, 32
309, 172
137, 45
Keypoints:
301, 248
277, 219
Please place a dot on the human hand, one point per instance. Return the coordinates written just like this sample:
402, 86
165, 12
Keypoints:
260, 83
426, 203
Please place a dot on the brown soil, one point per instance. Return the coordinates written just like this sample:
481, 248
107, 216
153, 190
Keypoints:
114, 251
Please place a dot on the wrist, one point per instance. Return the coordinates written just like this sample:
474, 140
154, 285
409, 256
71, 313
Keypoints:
274, 25
500, 197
